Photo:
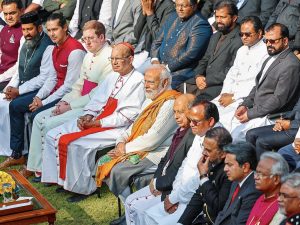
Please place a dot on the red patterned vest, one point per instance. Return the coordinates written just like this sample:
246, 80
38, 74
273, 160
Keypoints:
60, 55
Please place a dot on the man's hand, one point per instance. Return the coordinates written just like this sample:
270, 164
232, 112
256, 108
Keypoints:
118, 151
200, 82
11, 93
242, 114
153, 190
169, 207
82, 120
226, 99
203, 165
148, 7
281, 125
155, 62
297, 145
36, 103
297, 53
61, 107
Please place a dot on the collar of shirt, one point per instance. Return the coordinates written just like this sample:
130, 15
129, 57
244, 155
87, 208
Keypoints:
243, 181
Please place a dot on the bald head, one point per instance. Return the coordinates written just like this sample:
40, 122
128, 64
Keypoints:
121, 59
181, 106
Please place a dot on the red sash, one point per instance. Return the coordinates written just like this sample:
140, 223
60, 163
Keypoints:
66, 139
87, 87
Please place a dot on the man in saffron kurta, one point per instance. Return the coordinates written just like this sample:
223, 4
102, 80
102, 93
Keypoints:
67, 58
150, 135
113, 108
10, 40
95, 68
269, 171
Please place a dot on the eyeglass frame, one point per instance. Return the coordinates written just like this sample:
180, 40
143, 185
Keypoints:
272, 41
247, 34
261, 175
118, 59
183, 6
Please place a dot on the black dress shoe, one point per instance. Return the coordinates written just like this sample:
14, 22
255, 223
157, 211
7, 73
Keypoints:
36, 179
77, 198
120, 221
60, 190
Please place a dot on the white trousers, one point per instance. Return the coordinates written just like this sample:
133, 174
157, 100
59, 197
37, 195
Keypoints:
4, 127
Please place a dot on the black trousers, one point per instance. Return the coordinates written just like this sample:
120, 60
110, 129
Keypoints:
265, 139
17, 108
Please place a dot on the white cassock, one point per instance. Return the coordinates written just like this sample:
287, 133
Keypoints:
46, 71
81, 153
240, 79
184, 186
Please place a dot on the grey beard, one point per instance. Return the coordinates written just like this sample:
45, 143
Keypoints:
33, 42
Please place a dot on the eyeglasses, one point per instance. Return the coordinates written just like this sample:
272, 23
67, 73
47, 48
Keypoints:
118, 59
261, 175
182, 6
86, 39
286, 196
271, 41
246, 34
196, 122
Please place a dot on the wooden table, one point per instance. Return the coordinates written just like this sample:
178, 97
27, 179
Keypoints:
45, 213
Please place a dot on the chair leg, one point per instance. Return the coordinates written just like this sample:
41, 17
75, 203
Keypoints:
119, 207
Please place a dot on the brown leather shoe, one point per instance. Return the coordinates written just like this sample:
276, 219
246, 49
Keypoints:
12, 162
26, 173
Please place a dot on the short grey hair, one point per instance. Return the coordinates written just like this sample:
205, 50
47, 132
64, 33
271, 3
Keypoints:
280, 166
293, 181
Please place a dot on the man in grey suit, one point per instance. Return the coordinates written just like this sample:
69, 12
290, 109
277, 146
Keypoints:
240, 162
277, 85
220, 54
125, 14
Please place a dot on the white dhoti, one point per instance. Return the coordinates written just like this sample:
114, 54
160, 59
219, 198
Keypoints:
81, 153
157, 215
4, 127
239, 130
226, 113
42, 123
137, 203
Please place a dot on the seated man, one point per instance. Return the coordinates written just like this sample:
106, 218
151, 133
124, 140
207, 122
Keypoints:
69, 149
220, 54
146, 29
94, 70
33, 66
277, 85
89, 10
66, 59
240, 162
10, 35
148, 143
269, 171
289, 198
274, 137
288, 14
240, 79
66, 7
168, 167
291, 153
212, 193
203, 115
181, 41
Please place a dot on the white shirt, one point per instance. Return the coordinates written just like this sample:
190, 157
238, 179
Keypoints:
240, 79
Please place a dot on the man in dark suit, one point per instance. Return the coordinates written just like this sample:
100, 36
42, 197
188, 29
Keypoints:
261, 8
277, 85
274, 137
214, 187
240, 162
220, 54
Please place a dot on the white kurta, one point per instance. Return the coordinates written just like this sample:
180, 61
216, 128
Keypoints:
184, 186
240, 79
81, 152
46, 71
94, 68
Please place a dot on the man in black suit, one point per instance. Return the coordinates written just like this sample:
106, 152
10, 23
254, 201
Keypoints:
214, 187
274, 137
277, 85
220, 54
240, 162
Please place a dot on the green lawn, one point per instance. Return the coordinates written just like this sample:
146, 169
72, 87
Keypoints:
92, 211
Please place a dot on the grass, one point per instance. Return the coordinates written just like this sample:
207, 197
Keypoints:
92, 211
